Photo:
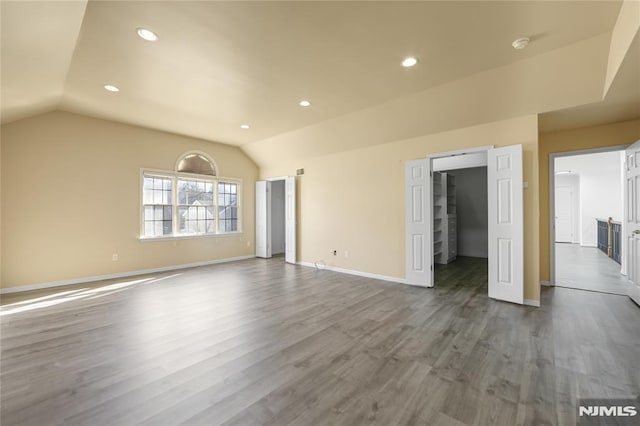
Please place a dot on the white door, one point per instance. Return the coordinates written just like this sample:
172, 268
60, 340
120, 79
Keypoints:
506, 264
290, 220
263, 219
564, 214
632, 218
418, 232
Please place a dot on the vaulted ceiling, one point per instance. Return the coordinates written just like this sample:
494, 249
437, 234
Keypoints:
218, 65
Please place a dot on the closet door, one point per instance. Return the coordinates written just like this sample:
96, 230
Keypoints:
263, 219
419, 227
506, 224
290, 219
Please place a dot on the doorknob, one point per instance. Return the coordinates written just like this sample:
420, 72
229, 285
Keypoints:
637, 231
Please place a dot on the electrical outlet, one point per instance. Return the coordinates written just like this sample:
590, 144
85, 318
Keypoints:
114, 257
334, 252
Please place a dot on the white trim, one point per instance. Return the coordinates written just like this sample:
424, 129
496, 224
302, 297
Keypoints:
460, 151
358, 273
272, 179
175, 176
547, 284
82, 280
532, 302
189, 236
552, 197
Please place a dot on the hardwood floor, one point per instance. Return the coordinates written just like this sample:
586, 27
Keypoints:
264, 342
587, 268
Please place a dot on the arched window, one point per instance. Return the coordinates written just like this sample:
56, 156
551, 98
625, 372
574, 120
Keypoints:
190, 201
196, 163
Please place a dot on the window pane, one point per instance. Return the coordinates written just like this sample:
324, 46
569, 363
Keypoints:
157, 183
167, 212
148, 229
194, 197
182, 216
167, 227
234, 188
210, 227
166, 197
157, 196
157, 227
147, 196
166, 184
148, 183
158, 213
148, 213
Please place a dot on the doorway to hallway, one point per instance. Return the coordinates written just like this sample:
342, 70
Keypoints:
587, 220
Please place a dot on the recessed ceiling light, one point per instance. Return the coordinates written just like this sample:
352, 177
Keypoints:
244, 126
111, 88
520, 43
147, 34
409, 62
305, 103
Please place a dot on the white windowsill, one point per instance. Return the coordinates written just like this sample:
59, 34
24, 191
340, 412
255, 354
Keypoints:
189, 237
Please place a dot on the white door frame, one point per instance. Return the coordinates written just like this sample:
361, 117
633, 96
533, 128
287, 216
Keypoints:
552, 207
462, 162
517, 232
289, 246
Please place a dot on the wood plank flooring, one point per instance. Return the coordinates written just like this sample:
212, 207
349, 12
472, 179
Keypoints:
263, 342
587, 268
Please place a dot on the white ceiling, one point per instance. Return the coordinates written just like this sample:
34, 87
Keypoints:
218, 65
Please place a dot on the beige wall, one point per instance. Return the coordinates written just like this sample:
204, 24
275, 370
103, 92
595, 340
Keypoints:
70, 199
622, 133
354, 200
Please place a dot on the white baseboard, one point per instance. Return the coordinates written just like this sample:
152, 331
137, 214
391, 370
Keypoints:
531, 302
546, 283
41, 286
358, 273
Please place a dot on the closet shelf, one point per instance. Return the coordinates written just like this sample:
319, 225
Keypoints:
444, 217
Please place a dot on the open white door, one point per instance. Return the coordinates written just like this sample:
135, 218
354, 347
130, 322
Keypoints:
263, 219
290, 220
506, 261
632, 219
419, 229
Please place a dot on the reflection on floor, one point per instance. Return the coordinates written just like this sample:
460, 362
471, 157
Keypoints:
587, 268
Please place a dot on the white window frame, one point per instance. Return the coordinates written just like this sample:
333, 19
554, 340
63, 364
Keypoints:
175, 176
